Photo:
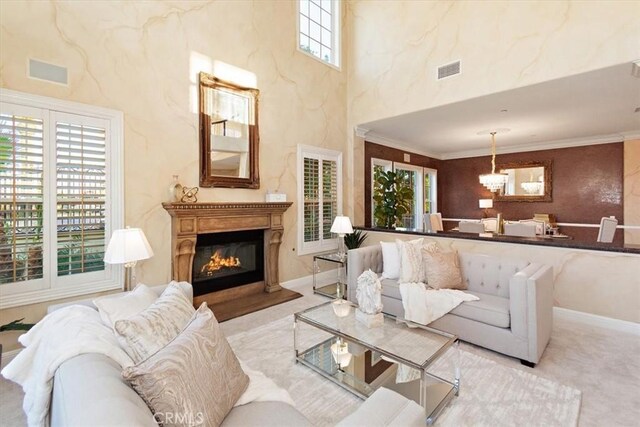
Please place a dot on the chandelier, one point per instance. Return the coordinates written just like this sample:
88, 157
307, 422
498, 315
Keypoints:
532, 187
493, 181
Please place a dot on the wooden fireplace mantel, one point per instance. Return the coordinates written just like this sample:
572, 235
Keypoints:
190, 219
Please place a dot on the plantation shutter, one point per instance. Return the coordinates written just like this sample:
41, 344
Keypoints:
81, 191
329, 196
311, 199
21, 197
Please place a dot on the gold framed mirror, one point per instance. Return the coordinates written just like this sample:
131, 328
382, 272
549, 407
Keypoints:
229, 136
527, 182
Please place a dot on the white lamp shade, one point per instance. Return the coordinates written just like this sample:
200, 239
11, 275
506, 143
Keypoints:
342, 225
486, 203
127, 245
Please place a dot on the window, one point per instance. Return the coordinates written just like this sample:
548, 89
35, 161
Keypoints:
423, 181
60, 197
318, 29
319, 198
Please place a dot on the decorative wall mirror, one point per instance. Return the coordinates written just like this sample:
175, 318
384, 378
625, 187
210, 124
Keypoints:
527, 182
229, 134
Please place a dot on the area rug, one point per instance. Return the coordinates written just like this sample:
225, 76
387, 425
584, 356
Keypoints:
491, 394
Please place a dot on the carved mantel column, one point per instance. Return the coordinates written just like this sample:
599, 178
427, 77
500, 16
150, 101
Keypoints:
188, 220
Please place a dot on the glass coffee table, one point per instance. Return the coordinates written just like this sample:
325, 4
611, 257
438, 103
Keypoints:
395, 355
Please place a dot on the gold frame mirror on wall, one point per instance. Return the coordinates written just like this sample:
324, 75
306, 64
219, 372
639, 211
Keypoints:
527, 182
229, 136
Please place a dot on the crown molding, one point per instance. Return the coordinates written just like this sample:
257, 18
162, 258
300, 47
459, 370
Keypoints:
548, 145
393, 143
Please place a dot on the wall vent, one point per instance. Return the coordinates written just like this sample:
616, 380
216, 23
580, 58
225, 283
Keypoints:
47, 72
448, 70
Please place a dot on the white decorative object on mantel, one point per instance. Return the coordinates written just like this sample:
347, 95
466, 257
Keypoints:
275, 197
369, 296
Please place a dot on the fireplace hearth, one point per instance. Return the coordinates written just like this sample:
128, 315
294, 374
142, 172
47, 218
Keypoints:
226, 260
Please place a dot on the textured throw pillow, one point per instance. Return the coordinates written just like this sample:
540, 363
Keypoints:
196, 379
427, 249
390, 260
124, 305
443, 271
411, 265
150, 330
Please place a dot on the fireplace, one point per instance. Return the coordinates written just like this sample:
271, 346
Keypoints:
229, 252
226, 260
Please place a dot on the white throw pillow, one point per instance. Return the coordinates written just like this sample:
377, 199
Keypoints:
149, 331
411, 263
124, 305
390, 260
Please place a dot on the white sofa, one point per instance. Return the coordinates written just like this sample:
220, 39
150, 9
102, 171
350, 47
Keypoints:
88, 390
513, 315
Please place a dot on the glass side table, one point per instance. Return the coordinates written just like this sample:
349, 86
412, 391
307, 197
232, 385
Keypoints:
337, 288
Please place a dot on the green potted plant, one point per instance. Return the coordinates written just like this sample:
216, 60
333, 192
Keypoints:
392, 198
16, 325
355, 239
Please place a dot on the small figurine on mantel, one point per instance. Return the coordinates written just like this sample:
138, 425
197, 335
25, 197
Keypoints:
369, 296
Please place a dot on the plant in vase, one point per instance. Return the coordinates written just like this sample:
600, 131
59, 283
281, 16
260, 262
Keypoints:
16, 325
392, 196
354, 240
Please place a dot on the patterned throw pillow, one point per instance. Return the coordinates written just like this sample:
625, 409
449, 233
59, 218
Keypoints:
150, 330
124, 305
195, 380
427, 249
411, 265
443, 270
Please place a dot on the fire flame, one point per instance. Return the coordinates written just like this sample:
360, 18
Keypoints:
217, 262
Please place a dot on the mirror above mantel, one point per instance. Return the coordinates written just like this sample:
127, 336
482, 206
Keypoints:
526, 182
229, 135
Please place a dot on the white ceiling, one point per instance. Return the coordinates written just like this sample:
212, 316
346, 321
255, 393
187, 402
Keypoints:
597, 106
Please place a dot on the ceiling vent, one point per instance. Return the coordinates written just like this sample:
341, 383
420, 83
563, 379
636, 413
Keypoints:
449, 70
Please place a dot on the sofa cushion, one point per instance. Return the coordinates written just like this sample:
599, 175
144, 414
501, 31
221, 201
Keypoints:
490, 309
196, 375
489, 274
150, 330
88, 390
390, 288
265, 414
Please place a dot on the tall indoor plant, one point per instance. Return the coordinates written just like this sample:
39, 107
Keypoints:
392, 196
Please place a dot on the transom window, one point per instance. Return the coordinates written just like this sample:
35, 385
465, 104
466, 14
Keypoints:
318, 34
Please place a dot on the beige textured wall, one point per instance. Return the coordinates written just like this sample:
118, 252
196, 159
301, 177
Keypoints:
631, 185
142, 58
395, 48
602, 283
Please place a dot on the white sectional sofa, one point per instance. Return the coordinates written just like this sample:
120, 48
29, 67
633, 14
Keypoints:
513, 315
88, 390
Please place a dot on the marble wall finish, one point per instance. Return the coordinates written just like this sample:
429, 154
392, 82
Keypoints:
602, 283
631, 187
143, 58
395, 47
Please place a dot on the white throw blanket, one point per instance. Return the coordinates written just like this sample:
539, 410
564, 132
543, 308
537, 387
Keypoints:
423, 305
59, 336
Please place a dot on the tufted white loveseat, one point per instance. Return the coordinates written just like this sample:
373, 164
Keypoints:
514, 313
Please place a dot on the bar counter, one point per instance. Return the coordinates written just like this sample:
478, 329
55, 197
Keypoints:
568, 243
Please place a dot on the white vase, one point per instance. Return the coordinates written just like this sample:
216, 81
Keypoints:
175, 190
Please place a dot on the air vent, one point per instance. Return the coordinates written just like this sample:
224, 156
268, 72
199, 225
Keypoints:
48, 72
449, 70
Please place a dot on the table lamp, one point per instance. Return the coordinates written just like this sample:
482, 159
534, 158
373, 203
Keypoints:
341, 226
486, 204
127, 246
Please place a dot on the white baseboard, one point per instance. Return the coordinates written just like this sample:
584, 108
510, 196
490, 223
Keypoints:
595, 320
8, 356
322, 278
